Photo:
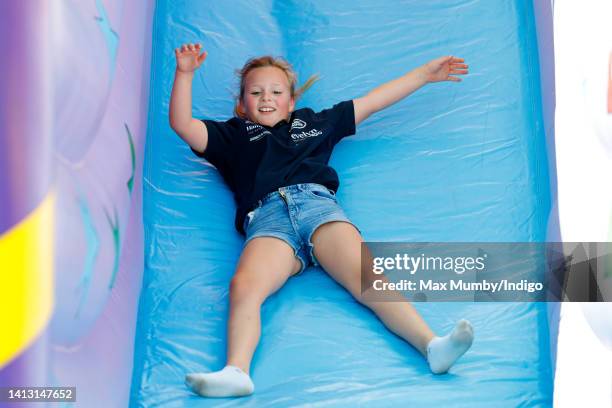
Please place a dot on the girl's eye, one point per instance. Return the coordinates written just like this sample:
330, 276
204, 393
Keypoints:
255, 93
278, 92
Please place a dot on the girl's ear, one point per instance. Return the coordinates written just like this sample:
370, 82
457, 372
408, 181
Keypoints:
239, 109
292, 104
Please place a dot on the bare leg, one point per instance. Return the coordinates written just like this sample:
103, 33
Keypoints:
337, 247
264, 266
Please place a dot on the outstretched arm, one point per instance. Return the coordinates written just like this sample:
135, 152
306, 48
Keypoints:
440, 69
192, 131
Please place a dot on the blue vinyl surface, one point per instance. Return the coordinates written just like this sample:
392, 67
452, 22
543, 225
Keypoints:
453, 162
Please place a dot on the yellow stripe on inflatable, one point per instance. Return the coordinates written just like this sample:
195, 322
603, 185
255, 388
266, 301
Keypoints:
26, 280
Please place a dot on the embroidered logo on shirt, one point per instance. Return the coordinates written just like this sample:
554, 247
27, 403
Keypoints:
298, 137
255, 131
297, 124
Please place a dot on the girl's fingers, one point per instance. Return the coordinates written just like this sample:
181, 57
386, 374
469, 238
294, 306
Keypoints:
188, 48
202, 57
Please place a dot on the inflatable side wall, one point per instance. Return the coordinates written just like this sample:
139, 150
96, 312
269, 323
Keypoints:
73, 114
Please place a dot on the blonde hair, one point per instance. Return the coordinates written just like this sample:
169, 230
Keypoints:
269, 61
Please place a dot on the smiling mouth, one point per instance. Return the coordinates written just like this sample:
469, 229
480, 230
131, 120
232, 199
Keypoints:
266, 110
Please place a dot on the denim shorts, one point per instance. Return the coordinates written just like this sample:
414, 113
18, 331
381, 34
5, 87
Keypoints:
292, 214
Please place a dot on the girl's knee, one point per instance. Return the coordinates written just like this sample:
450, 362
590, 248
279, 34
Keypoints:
244, 288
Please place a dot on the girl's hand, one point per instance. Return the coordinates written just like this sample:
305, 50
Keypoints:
442, 68
188, 57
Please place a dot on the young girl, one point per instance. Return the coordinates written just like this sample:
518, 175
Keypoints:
274, 159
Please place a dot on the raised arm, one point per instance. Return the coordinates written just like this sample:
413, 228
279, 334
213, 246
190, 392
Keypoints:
388, 93
192, 131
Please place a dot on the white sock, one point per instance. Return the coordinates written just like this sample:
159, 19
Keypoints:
229, 382
442, 352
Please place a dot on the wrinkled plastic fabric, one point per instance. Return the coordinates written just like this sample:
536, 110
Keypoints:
453, 162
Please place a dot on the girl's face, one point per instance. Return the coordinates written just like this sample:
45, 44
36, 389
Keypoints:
267, 99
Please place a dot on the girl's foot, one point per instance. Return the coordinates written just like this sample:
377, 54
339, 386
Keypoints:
229, 382
442, 352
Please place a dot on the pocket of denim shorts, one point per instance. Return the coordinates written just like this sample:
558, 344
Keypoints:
324, 193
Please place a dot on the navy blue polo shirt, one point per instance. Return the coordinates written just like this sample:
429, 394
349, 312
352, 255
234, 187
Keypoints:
255, 160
